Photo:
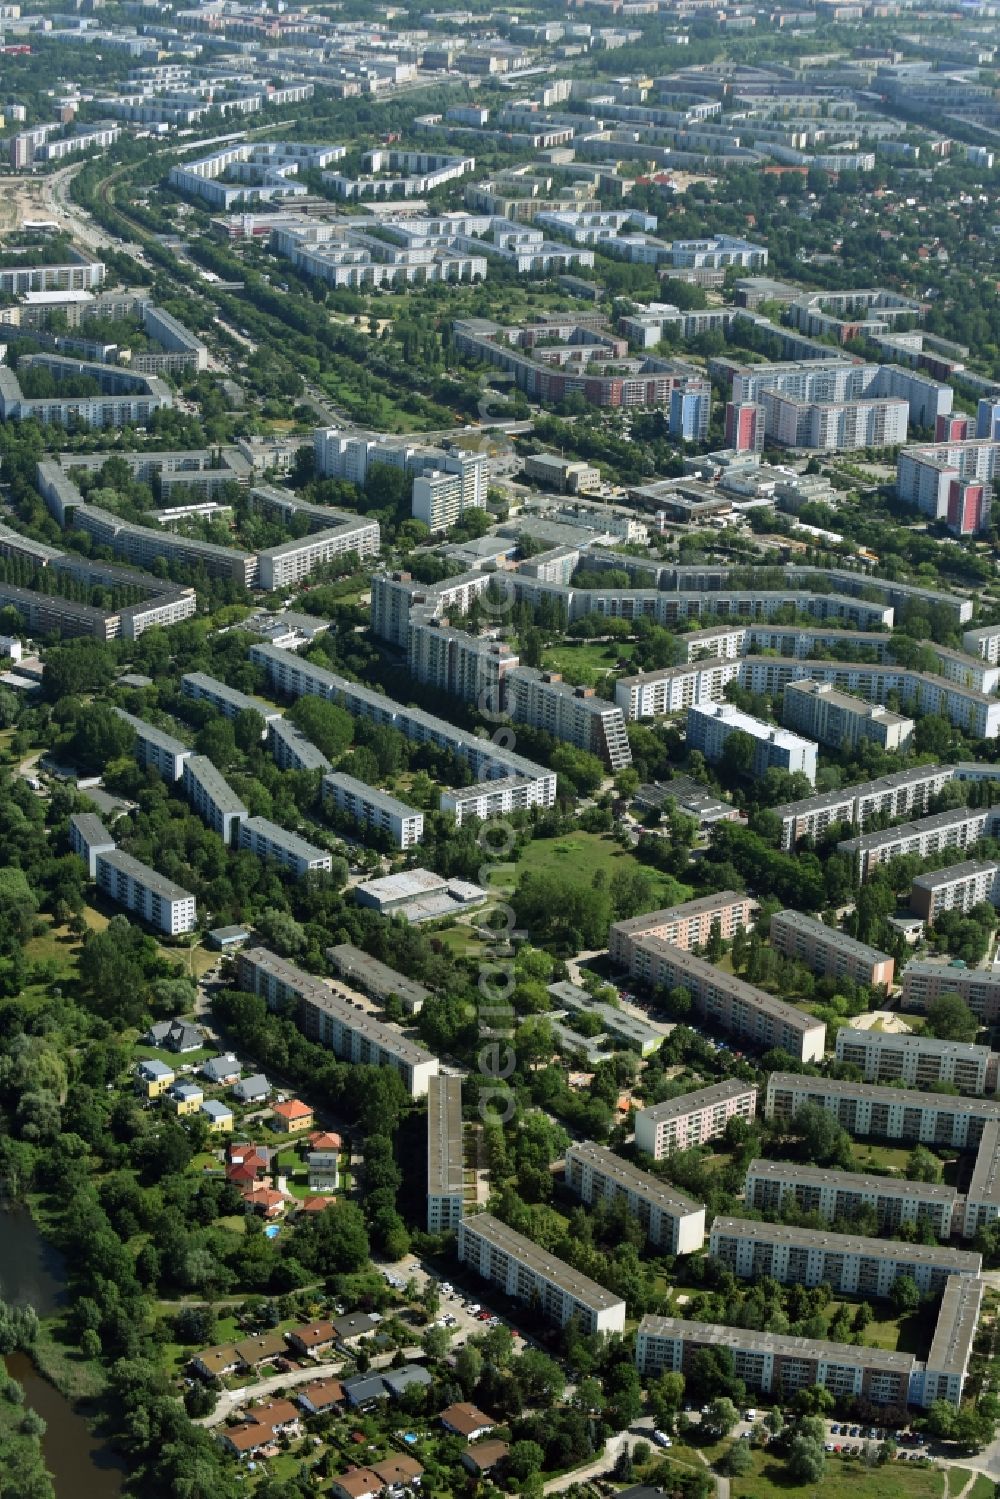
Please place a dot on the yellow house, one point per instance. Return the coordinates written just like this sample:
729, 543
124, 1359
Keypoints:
186, 1098
219, 1116
153, 1078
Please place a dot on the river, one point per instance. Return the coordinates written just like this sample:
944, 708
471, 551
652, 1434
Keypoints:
32, 1272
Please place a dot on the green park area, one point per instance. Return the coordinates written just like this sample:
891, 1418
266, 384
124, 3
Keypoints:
583, 663
842, 1479
580, 856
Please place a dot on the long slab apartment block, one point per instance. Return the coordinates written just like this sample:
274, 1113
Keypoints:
736, 1008
228, 701
369, 807
849, 1265
834, 1195
156, 749
924, 981
445, 1154
685, 926
693, 1118
673, 1222
268, 840
528, 1274
162, 903
772, 1362
291, 749
958, 887
212, 797
872, 1110
827, 951
901, 794
919, 1061
328, 1017
961, 827
88, 837
360, 970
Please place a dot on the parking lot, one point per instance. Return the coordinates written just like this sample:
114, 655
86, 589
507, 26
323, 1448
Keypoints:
463, 1310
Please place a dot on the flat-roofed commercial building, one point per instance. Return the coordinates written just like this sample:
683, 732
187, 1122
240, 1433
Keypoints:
445, 1154
980, 988
673, 1223
373, 808
959, 887
710, 725
724, 1001
770, 1362
918, 1061
642, 1036
331, 1019
224, 699
868, 1109
366, 973
269, 841
212, 797
291, 749
153, 747
851, 1266
693, 1118
844, 1194
825, 950
163, 904
961, 827
820, 711
88, 837
898, 795
685, 926
526, 1273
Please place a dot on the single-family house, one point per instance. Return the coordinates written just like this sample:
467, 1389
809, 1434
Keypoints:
246, 1440
398, 1471
349, 1330
153, 1078
185, 1098
313, 1337
219, 1115
356, 1483
215, 1363
263, 1349
263, 1424
254, 1089
279, 1415
175, 1035
482, 1457
320, 1396
325, 1139
315, 1204
363, 1390
411, 1376
324, 1170
292, 1117
222, 1070
264, 1200
468, 1421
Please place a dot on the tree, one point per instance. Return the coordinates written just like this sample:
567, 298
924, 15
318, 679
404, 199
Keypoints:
738, 1461
824, 1141
905, 1295
950, 1019
524, 1460
666, 1396
738, 756
922, 1165
330, 728
720, 1418
435, 1343
806, 1459
248, 729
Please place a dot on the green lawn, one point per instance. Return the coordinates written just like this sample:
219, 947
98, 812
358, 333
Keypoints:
584, 664
177, 1059
842, 1480
580, 855
881, 1157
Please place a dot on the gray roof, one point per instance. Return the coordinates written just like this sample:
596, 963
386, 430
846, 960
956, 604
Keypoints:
356, 966
701, 1098
882, 784
657, 1193
875, 1093
586, 1291
312, 758
712, 1334
398, 1380
829, 936
985, 1183
92, 830
370, 794
153, 735
200, 769
955, 1329
445, 1157
954, 1261
652, 921
886, 837
848, 1181
934, 878
291, 843
212, 687
143, 875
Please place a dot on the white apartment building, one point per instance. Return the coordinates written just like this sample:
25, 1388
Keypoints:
693, 1118
88, 837
843, 1194
674, 1223
291, 749
153, 747
284, 565
212, 797
374, 808
491, 798
892, 796
575, 714
269, 841
919, 1061
869, 1109
156, 900
710, 725
957, 888
471, 667
674, 689
984, 643
327, 1016
226, 700
527, 1274
961, 827
445, 1154
835, 718
849, 1265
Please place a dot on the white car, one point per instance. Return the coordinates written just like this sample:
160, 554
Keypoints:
662, 1440
751, 1414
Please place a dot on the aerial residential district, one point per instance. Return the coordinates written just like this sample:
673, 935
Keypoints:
500, 750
